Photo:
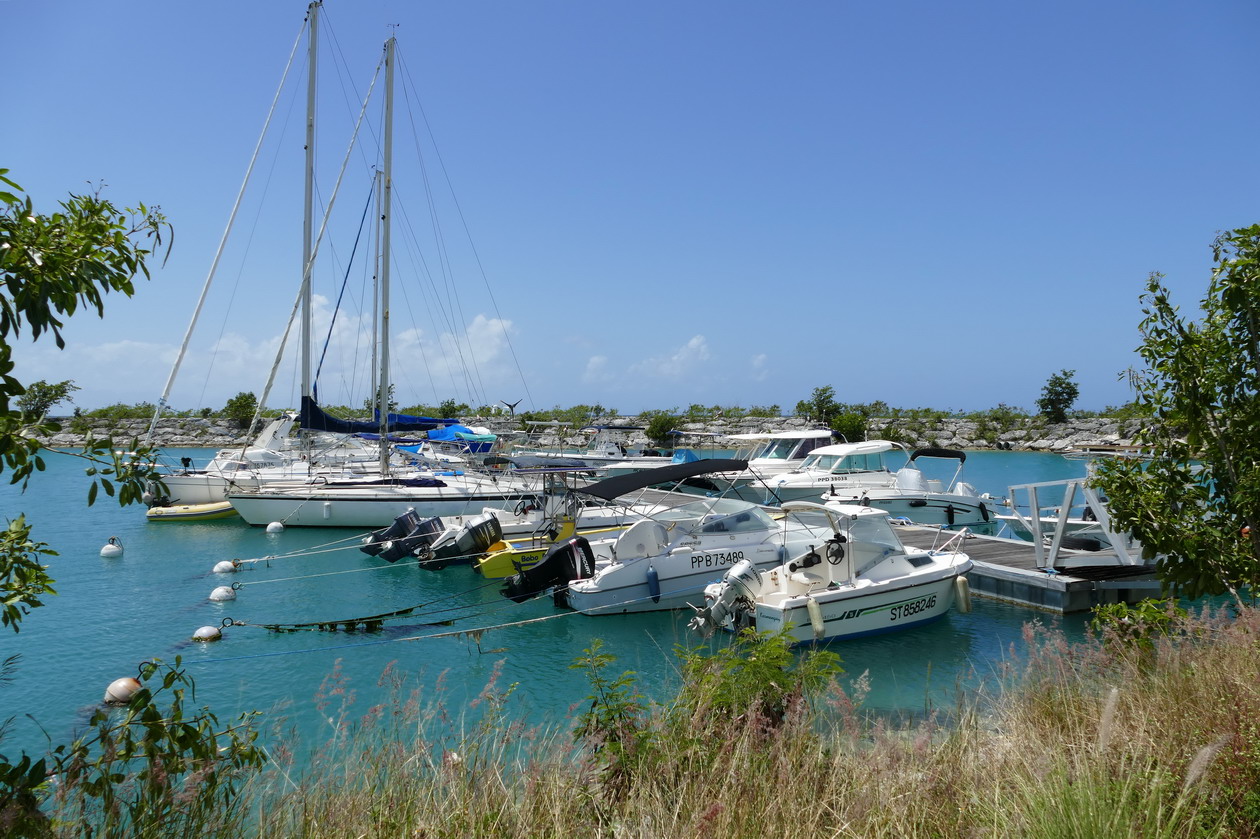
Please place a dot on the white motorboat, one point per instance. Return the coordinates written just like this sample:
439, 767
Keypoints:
909, 495
608, 444
665, 560
768, 455
851, 468
859, 580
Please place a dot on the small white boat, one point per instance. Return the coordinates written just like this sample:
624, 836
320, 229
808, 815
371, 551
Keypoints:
665, 560
859, 581
192, 512
913, 497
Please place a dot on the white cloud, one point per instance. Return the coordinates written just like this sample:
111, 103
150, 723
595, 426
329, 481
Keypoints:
683, 362
757, 370
596, 371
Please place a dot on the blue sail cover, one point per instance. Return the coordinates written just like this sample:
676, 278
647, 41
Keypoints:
315, 418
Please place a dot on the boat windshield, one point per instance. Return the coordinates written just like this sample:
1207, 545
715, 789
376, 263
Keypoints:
723, 515
842, 464
874, 530
776, 450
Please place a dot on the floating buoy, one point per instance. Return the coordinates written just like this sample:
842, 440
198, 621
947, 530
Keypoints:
275, 527
815, 617
120, 691
227, 566
207, 633
962, 594
223, 593
112, 548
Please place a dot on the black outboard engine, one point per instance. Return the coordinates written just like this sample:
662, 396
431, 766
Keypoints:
418, 540
471, 542
570, 560
375, 541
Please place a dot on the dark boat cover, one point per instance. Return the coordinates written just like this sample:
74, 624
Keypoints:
314, 417
952, 454
611, 488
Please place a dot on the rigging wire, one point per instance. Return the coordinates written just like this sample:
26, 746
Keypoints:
223, 241
350, 264
468, 233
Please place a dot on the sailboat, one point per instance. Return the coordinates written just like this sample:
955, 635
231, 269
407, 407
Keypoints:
374, 501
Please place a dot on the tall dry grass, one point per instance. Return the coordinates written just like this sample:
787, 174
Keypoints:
1104, 738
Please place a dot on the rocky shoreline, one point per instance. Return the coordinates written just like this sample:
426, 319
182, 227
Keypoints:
1018, 434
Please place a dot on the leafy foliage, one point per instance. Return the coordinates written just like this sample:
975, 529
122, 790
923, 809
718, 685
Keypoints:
756, 677
849, 421
1058, 395
615, 725
151, 769
23, 580
658, 427
146, 771
40, 397
1197, 501
241, 408
1140, 624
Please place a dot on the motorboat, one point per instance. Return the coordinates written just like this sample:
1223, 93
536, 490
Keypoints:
665, 560
589, 512
768, 455
607, 444
851, 468
858, 580
910, 496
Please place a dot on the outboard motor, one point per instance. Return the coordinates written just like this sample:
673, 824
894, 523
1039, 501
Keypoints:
570, 560
471, 542
415, 542
375, 541
721, 600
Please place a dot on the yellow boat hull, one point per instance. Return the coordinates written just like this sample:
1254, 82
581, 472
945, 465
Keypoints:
525, 553
192, 512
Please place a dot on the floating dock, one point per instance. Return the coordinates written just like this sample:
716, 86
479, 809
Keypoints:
1006, 569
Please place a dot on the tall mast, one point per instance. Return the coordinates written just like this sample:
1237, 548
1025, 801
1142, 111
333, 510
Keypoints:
308, 205
387, 166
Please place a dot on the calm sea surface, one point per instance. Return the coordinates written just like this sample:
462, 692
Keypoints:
111, 614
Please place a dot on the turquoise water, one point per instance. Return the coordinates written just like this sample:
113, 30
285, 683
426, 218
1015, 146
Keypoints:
111, 614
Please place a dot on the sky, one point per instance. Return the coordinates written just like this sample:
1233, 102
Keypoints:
647, 205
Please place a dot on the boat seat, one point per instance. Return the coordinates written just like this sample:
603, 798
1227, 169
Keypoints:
643, 538
809, 579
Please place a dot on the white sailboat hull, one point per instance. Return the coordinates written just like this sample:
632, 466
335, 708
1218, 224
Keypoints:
371, 507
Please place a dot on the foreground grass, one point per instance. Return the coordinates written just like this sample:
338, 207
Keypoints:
1153, 737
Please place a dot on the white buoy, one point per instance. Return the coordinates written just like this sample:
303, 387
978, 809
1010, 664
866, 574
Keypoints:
275, 527
120, 691
227, 566
223, 593
207, 633
112, 548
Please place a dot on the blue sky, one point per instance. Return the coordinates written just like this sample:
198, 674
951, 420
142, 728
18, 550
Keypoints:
665, 204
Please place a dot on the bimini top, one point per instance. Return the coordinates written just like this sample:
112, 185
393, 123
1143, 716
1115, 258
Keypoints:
951, 454
785, 435
865, 447
611, 488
